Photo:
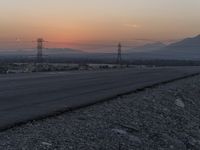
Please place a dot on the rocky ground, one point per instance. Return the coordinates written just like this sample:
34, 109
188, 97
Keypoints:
161, 118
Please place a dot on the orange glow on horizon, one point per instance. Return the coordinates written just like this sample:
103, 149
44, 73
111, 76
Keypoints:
98, 22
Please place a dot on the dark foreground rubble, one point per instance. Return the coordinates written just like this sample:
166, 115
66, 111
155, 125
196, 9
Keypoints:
162, 118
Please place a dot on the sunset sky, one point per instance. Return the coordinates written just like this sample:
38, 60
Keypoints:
67, 22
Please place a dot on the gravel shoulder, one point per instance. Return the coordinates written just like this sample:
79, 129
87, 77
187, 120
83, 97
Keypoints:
161, 118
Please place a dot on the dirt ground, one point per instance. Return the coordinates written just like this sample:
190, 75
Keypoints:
161, 118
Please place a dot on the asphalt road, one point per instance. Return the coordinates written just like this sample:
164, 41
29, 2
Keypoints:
25, 97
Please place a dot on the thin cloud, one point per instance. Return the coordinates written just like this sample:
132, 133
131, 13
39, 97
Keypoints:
132, 25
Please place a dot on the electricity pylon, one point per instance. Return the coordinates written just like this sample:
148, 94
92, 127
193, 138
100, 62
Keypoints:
119, 54
40, 47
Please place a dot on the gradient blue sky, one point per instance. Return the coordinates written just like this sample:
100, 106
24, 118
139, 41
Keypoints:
101, 21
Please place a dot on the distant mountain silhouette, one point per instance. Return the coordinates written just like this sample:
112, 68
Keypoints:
60, 51
186, 43
49, 51
188, 48
147, 47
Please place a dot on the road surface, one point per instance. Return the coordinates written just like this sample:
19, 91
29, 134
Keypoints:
25, 97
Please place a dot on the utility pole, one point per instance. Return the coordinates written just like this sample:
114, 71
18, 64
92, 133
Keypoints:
119, 54
40, 47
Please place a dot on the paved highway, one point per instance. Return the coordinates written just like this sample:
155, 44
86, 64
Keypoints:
25, 97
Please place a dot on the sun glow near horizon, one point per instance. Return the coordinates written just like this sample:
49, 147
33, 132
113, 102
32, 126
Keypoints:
95, 20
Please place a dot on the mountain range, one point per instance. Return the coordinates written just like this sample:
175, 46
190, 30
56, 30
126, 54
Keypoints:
147, 47
48, 51
187, 49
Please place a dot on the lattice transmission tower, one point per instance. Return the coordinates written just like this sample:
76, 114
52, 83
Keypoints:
119, 54
40, 47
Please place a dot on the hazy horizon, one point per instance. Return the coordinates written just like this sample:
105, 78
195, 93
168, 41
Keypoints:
94, 25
